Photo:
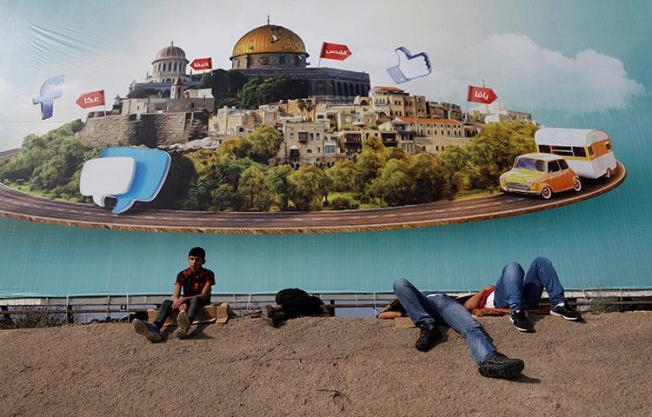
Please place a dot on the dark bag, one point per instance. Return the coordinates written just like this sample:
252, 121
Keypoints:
296, 302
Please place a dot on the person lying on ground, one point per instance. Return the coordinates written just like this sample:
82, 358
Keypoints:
426, 309
518, 291
195, 283
292, 303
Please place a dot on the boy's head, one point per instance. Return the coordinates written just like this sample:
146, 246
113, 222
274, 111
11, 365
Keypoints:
196, 258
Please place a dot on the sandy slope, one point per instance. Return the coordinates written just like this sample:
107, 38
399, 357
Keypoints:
326, 367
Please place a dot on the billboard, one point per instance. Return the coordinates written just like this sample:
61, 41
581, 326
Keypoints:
301, 155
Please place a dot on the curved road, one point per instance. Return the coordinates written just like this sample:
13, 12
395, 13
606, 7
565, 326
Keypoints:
18, 205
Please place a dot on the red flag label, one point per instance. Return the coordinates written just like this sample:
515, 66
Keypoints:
334, 51
481, 95
92, 99
200, 64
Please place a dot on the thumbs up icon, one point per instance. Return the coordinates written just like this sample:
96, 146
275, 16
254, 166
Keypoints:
410, 66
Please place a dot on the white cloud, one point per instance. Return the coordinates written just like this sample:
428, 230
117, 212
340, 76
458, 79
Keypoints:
529, 77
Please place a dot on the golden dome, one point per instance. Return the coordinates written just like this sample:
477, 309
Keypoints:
269, 39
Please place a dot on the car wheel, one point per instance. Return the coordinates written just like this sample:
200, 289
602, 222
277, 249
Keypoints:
546, 193
609, 173
577, 185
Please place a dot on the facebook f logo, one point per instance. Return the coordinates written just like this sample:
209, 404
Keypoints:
50, 90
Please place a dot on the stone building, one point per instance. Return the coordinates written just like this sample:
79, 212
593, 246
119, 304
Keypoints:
169, 65
436, 135
308, 143
274, 51
231, 121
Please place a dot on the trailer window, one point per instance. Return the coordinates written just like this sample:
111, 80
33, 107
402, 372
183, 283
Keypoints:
607, 145
544, 148
562, 150
579, 151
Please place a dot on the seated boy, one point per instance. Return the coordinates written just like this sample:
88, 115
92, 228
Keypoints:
427, 308
517, 291
196, 282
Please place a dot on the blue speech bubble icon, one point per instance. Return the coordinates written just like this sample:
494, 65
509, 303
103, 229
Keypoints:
50, 90
410, 66
152, 167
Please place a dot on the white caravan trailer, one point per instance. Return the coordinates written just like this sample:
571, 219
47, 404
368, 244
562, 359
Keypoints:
588, 151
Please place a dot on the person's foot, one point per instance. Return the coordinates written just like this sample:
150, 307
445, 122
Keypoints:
566, 312
268, 315
183, 323
429, 336
519, 321
500, 366
151, 332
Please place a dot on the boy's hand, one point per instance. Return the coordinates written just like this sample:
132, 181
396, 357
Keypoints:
178, 303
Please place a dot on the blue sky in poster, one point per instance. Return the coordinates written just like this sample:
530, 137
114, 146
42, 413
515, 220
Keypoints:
574, 57
572, 64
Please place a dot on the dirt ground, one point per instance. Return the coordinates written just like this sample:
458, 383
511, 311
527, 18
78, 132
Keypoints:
327, 367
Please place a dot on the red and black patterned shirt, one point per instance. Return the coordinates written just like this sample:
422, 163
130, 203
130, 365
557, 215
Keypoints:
193, 283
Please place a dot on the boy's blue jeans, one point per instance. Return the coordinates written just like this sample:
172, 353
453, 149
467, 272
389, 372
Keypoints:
428, 308
517, 290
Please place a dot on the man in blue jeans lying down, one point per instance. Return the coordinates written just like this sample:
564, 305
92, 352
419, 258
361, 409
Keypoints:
518, 291
427, 308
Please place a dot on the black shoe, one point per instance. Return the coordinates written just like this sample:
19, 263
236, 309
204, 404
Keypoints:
429, 336
566, 312
500, 366
520, 321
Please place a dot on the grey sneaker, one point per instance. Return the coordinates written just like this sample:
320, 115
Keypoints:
183, 321
500, 366
151, 332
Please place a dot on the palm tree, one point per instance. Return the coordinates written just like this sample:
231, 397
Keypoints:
301, 103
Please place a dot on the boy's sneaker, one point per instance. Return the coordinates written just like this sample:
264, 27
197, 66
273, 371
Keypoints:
566, 312
429, 336
500, 366
183, 322
519, 321
151, 332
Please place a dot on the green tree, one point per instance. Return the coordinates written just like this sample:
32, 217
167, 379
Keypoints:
277, 181
493, 151
427, 177
262, 144
344, 176
454, 165
308, 185
224, 85
369, 163
394, 185
253, 189
258, 91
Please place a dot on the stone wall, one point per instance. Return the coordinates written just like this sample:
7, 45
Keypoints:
151, 129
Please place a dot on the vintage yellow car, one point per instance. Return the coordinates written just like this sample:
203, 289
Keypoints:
540, 173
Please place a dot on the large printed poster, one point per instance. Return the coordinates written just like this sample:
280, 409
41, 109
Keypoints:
336, 149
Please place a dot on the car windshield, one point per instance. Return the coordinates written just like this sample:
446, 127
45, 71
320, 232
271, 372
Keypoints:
531, 164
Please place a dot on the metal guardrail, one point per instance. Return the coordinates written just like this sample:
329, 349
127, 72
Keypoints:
153, 299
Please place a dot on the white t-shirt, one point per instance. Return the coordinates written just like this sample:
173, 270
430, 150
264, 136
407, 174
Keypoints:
490, 300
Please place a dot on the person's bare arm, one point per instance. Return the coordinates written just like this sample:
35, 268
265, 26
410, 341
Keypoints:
474, 302
389, 314
205, 295
176, 297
